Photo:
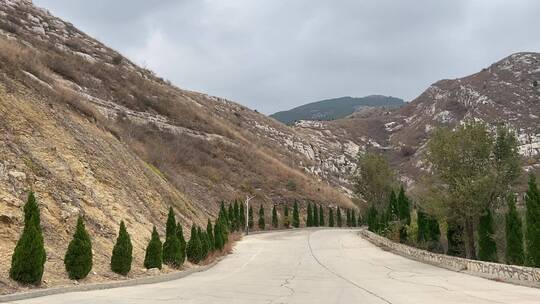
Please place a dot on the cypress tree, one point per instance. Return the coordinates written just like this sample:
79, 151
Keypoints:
242, 216
78, 258
393, 206
250, 219
372, 219
194, 250
122, 254
237, 225
315, 216
223, 213
296, 215
309, 221
230, 213
487, 249
348, 218
422, 227
353, 218
456, 244
205, 246
404, 206
172, 249
330, 217
321, 216
218, 236
29, 255
182, 240
286, 219
532, 216
261, 218
339, 220
153, 256
514, 234
210, 235
275, 221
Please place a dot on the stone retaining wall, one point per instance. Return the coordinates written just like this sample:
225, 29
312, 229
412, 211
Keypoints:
527, 276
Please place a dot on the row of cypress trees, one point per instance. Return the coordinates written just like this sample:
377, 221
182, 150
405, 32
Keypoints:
522, 245
522, 241
286, 220
28, 259
317, 218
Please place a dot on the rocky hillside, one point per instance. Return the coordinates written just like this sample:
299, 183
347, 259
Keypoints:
507, 92
335, 108
91, 133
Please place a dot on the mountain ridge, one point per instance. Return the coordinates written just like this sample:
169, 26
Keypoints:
335, 108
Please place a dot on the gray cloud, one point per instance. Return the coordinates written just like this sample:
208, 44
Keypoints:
275, 54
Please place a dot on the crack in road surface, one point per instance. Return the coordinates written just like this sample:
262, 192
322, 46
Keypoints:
342, 277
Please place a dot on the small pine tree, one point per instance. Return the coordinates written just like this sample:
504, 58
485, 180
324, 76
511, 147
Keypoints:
309, 220
230, 214
456, 244
78, 258
514, 234
182, 240
242, 216
205, 246
250, 219
296, 215
29, 255
210, 235
372, 219
122, 254
275, 221
487, 248
321, 216
261, 218
286, 218
153, 257
194, 250
237, 224
404, 206
172, 249
218, 236
532, 218
315, 216
393, 206
348, 218
330, 217
353, 218
339, 220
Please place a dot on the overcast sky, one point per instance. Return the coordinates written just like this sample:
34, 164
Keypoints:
273, 55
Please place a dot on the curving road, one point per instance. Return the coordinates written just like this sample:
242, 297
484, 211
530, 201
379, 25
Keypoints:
312, 266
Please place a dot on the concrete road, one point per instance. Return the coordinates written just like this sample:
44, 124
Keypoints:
312, 266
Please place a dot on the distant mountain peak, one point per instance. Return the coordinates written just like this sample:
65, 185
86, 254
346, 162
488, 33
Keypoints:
335, 108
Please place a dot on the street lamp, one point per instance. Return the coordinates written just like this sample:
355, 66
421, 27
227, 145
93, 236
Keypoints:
248, 198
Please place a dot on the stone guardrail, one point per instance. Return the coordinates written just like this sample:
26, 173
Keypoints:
527, 276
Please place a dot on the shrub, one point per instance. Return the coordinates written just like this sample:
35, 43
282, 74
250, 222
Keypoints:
210, 235
153, 257
122, 254
117, 59
29, 254
78, 258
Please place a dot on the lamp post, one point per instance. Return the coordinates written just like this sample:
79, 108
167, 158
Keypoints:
248, 198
